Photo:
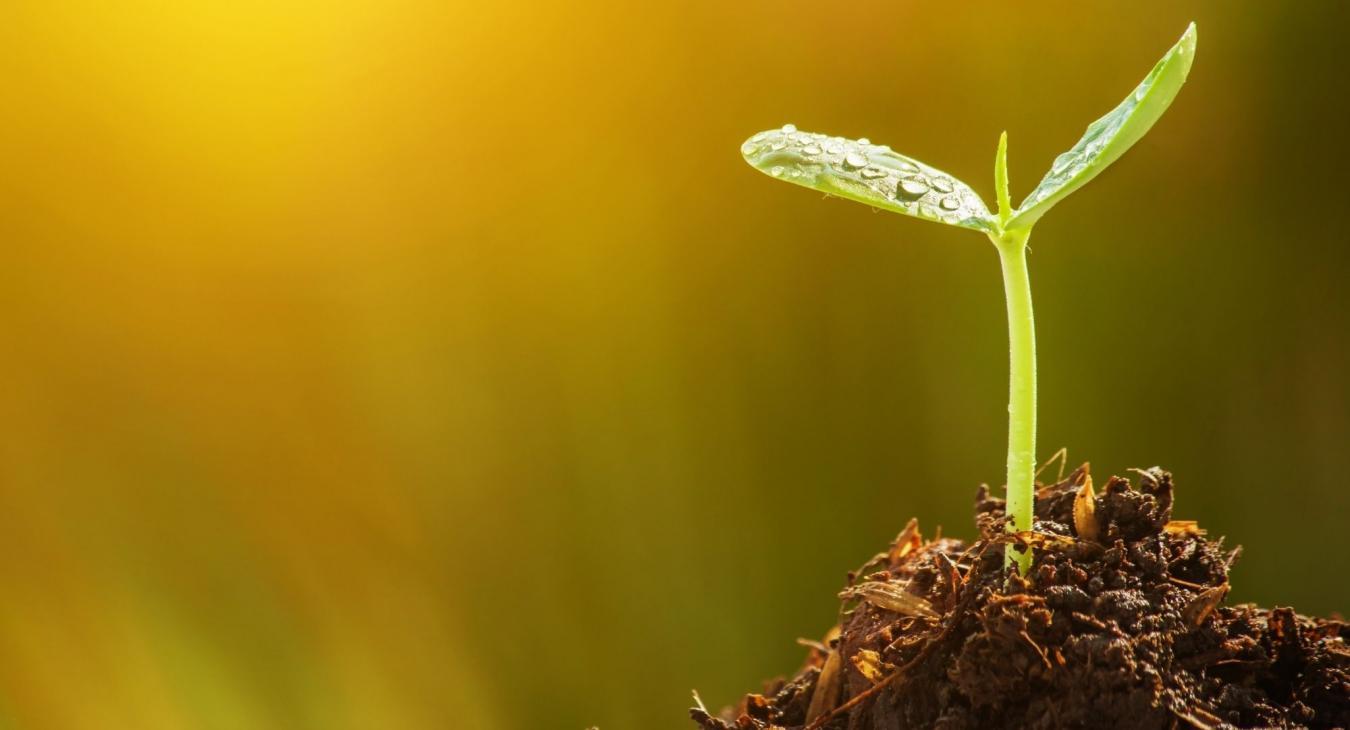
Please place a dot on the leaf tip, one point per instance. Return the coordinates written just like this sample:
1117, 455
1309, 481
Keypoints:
752, 146
1186, 45
762, 149
1107, 138
1001, 180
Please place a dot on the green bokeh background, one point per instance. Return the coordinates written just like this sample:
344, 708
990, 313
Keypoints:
417, 365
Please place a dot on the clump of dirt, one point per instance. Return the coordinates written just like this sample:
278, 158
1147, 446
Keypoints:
1118, 624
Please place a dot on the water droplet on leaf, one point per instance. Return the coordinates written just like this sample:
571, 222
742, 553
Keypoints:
911, 189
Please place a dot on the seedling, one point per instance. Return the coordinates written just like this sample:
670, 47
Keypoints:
882, 178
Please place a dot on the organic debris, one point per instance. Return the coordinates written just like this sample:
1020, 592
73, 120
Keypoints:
1085, 512
891, 597
909, 540
1120, 623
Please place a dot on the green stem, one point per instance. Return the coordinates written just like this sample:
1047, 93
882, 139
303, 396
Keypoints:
1012, 252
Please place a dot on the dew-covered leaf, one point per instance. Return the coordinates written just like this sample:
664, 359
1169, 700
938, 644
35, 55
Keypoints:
1107, 138
868, 173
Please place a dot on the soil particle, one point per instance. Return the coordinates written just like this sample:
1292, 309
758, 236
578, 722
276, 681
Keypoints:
1119, 623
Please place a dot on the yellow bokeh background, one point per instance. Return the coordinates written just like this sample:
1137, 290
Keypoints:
413, 364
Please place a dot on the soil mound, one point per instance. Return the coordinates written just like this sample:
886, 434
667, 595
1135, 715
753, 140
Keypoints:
1120, 623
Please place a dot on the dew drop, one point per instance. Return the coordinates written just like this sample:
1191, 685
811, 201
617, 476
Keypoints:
855, 160
811, 150
864, 140
776, 171
911, 189
789, 128
872, 172
942, 185
950, 203
749, 148
778, 146
906, 166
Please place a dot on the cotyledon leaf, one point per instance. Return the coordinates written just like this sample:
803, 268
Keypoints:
868, 173
1107, 138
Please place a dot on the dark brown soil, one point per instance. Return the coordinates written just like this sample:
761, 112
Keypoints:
1118, 624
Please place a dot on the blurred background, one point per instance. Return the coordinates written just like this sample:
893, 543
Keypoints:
411, 364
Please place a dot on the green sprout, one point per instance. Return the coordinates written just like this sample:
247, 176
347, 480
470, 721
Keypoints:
882, 178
